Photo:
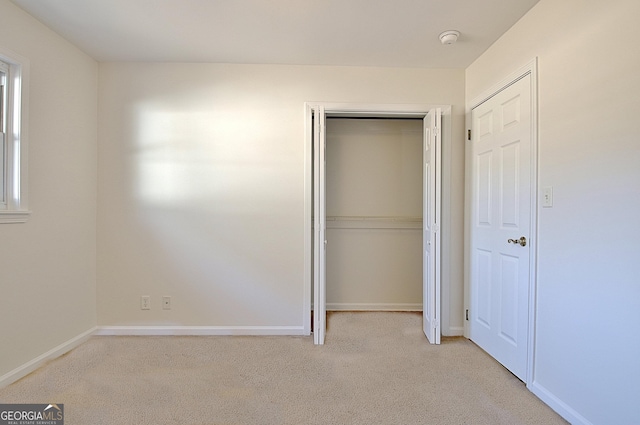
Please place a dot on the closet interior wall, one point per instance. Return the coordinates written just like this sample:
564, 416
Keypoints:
374, 214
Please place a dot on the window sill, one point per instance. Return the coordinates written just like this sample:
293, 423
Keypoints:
14, 216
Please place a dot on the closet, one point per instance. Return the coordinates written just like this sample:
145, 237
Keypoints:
374, 213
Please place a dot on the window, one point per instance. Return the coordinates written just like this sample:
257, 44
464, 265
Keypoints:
4, 70
13, 202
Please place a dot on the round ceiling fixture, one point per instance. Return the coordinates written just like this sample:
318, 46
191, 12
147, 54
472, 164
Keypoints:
449, 37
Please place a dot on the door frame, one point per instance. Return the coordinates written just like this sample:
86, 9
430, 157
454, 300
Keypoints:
530, 68
373, 110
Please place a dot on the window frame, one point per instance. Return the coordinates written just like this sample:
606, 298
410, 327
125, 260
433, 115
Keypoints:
14, 208
4, 76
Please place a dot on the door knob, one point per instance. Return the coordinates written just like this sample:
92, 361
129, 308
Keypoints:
522, 241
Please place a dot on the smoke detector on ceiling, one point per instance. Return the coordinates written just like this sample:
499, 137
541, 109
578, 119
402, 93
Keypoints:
449, 37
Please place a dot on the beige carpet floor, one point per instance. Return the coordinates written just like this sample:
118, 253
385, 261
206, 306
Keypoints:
376, 368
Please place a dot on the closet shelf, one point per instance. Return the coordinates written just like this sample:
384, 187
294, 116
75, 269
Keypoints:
374, 222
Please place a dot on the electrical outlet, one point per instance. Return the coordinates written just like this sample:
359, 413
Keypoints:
145, 302
166, 303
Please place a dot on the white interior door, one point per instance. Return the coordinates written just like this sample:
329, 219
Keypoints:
319, 225
500, 227
432, 142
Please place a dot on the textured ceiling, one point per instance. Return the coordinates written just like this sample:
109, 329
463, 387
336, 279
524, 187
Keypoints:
390, 33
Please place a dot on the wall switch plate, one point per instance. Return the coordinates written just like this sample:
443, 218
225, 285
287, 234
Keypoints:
166, 303
145, 302
547, 197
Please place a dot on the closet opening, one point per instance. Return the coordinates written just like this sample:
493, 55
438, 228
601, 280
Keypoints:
373, 231
374, 214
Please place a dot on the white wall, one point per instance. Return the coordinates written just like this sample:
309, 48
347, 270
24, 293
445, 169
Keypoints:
374, 214
587, 338
201, 190
48, 265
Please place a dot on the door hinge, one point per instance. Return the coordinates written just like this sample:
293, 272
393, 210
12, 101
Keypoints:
468, 134
467, 314
436, 324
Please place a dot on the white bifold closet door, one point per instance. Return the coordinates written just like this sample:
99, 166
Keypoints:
431, 175
319, 226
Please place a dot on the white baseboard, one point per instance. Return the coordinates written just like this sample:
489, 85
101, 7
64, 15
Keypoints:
454, 331
27, 368
374, 307
200, 330
558, 405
